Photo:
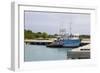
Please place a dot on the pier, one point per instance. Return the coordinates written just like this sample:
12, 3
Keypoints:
82, 52
38, 42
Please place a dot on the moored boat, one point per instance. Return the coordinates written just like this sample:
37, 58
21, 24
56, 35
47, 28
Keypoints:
65, 40
69, 43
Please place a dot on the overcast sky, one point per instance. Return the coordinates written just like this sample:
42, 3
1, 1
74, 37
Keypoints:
51, 22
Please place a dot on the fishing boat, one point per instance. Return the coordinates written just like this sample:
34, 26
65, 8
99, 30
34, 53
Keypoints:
66, 40
69, 43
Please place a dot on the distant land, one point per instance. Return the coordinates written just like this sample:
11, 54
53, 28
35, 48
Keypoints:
28, 34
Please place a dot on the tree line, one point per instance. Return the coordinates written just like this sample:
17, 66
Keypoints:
84, 36
28, 34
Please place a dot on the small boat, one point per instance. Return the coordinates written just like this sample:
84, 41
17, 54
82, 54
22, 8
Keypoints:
56, 43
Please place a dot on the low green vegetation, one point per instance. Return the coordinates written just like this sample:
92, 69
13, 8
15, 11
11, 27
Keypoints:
28, 34
84, 37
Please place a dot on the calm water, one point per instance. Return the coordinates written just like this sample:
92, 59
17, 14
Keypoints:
43, 53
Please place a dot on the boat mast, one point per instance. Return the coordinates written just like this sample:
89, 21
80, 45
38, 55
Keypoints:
62, 30
70, 34
70, 30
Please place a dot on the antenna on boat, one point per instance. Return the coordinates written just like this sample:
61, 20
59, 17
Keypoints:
70, 34
62, 30
70, 28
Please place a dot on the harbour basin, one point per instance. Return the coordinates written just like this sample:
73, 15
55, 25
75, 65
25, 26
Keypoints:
43, 53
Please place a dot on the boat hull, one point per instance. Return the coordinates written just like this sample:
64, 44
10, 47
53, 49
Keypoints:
71, 43
66, 43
